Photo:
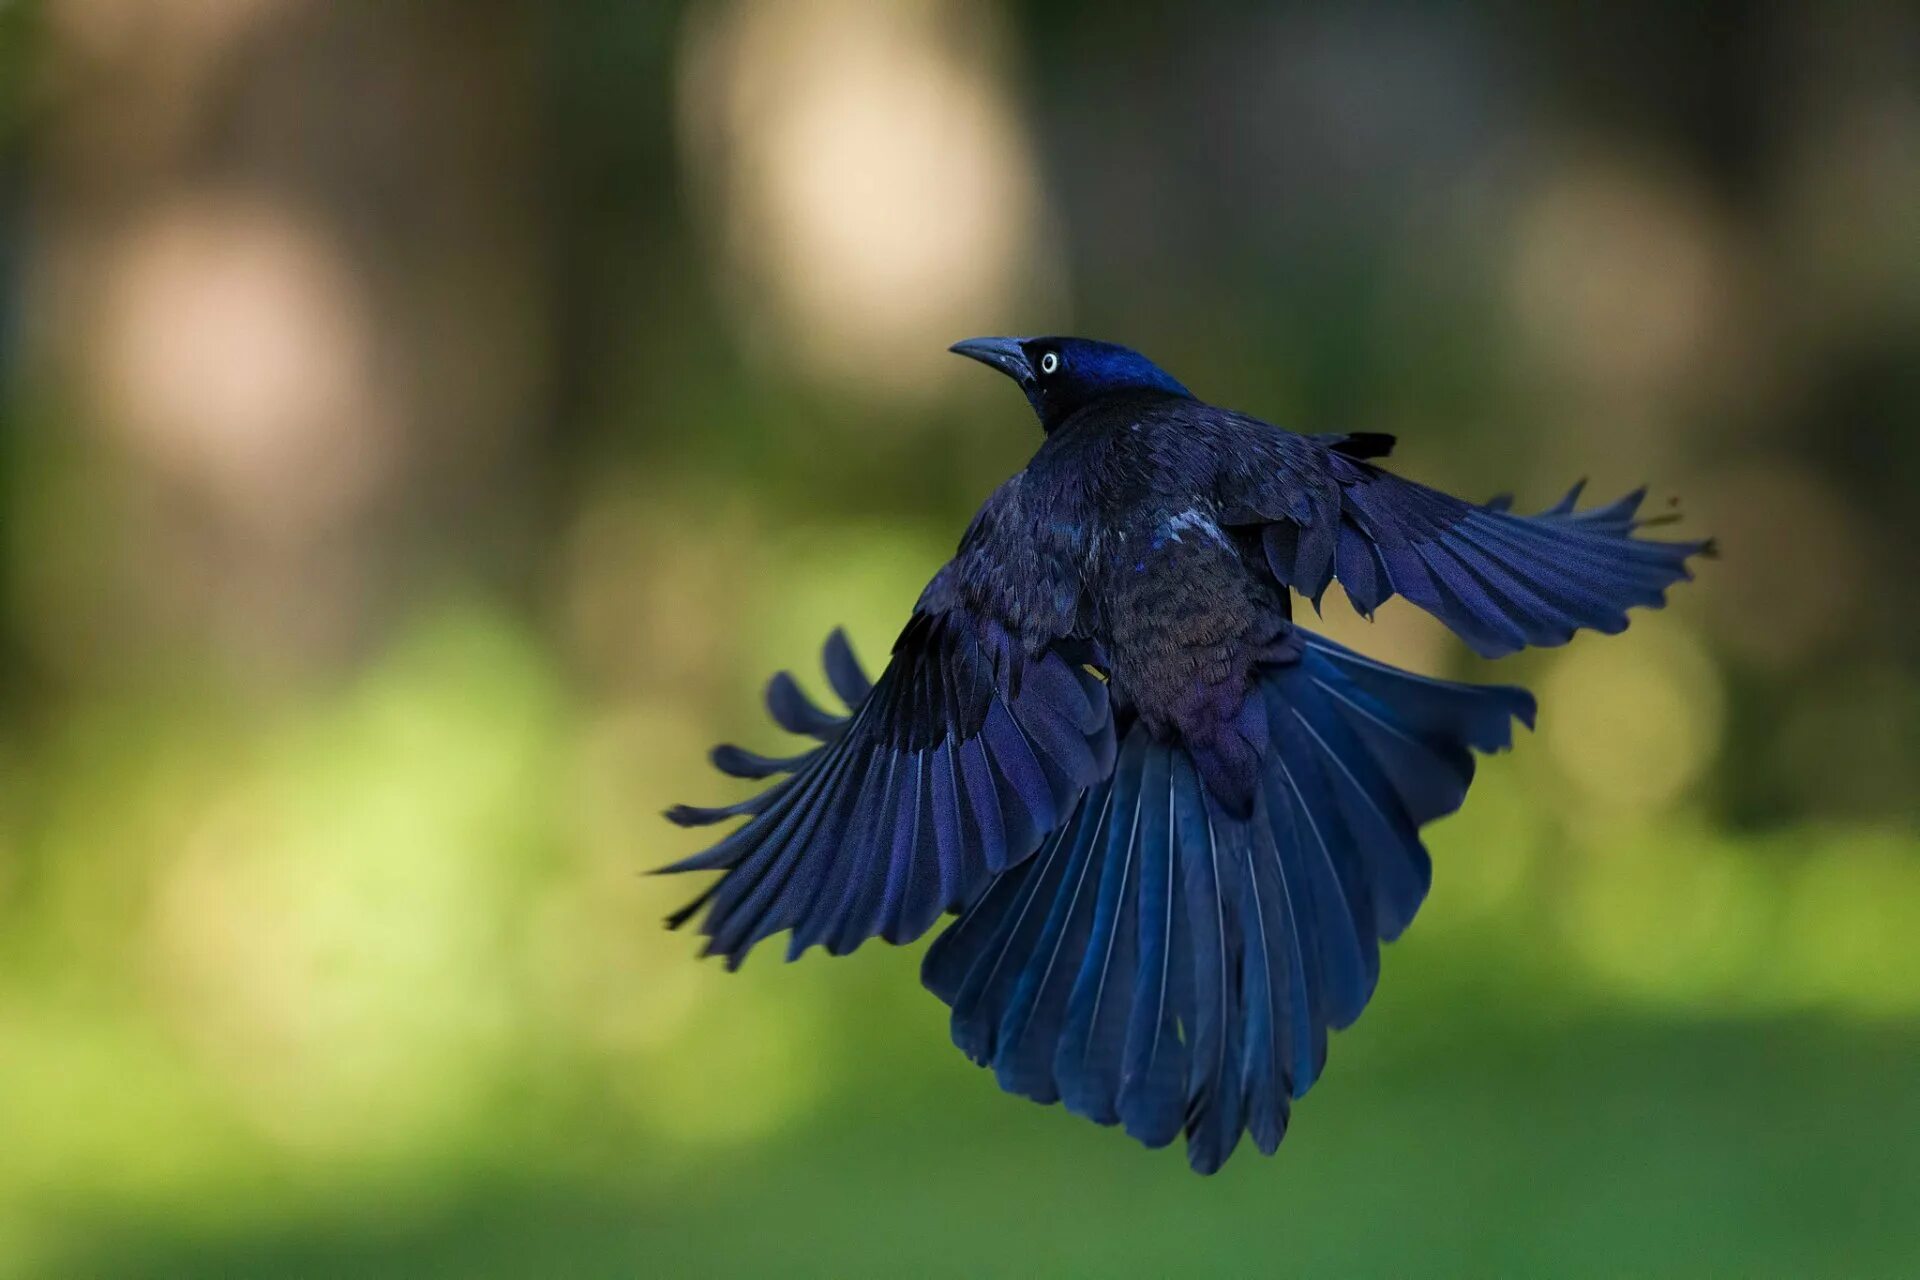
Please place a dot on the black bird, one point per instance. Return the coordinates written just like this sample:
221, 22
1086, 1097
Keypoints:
1176, 824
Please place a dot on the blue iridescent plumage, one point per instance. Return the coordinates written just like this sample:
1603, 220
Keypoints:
1176, 825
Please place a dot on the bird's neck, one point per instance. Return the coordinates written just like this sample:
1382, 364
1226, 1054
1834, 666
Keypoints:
1109, 407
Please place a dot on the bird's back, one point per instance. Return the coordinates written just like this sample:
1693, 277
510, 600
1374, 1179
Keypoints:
1184, 612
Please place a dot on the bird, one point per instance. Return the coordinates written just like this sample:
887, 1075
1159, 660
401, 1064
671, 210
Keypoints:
1172, 823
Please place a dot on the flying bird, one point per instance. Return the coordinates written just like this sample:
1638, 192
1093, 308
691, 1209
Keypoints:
1175, 824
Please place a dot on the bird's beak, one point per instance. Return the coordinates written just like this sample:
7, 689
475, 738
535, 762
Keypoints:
1003, 354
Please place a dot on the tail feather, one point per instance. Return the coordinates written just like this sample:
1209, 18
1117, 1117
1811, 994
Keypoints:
1031, 1027
989, 986
1165, 966
1154, 1068
1323, 866
1086, 1064
1213, 870
1294, 930
1274, 992
1375, 815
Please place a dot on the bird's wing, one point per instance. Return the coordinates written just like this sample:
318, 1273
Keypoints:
1502, 581
972, 746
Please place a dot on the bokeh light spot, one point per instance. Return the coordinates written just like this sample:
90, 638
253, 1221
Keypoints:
877, 189
329, 936
1666, 913
749, 1064
1483, 854
236, 358
1615, 276
1634, 722
1853, 924
1793, 561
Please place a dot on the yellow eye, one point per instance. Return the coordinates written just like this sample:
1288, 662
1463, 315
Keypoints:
1050, 362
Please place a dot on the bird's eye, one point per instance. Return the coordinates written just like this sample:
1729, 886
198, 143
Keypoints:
1050, 362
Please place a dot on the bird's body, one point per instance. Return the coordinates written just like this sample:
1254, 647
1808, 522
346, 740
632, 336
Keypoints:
1176, 823
1120, 543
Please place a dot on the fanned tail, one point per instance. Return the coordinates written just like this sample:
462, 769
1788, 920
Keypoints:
1160, 965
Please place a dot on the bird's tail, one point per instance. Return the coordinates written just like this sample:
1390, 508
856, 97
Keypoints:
1162, 965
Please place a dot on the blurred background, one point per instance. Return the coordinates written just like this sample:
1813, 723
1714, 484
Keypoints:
424, 426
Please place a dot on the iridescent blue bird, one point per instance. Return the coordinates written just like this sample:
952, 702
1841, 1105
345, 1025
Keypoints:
1176, 824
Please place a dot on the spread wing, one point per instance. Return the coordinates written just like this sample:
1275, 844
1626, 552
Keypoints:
972, 746
1502, 581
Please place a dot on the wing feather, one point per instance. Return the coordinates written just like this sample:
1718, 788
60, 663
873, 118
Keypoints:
1502, 581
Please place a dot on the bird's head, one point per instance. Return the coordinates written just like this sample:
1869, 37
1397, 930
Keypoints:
1061, 375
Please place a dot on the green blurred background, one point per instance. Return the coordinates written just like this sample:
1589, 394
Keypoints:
423, 426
